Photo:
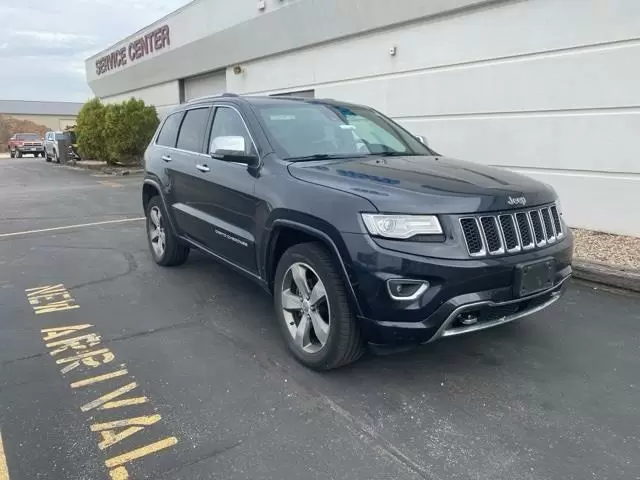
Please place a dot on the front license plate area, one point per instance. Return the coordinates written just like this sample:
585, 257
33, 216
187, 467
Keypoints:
534, 277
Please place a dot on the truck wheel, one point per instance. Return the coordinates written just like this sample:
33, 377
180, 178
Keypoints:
47, 157
163, 243
313, 309
18, 154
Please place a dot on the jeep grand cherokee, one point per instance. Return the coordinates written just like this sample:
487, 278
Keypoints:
362, 233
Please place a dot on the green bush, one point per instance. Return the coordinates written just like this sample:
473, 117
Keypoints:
117, 133
90, 130
128, 128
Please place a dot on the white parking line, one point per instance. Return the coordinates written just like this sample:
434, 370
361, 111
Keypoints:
68, 227
4, 470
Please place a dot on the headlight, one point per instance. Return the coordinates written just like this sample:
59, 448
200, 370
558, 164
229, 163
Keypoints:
401, 226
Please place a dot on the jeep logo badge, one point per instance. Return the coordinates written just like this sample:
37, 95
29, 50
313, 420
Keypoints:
517, 201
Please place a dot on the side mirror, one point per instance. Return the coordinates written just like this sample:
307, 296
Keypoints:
422, 140
232, 149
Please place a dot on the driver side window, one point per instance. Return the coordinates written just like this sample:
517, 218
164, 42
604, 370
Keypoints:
227, 130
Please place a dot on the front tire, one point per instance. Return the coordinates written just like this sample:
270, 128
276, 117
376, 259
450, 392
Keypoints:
163, 243
313, 309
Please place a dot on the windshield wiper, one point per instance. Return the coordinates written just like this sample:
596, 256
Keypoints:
391, 154
322, 156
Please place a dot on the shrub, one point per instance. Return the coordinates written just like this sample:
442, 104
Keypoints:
90, 130
128, 128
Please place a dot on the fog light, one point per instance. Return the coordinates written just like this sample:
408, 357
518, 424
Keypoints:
402, 289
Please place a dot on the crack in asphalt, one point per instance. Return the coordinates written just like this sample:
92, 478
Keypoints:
214, 453
381, 444
144, 333
28, 357
132, 266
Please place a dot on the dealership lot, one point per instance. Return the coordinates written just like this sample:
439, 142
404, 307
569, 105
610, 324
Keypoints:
113, 367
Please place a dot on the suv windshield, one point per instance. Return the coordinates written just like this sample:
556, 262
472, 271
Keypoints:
27, 136
308, 131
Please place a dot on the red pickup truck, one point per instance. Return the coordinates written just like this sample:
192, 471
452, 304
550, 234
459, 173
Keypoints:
25, 143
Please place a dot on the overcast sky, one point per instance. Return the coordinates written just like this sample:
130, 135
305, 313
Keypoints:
43, 44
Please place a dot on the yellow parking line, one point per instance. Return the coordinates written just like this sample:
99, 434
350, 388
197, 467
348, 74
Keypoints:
68, 227
99, 378
4, 470
141, 452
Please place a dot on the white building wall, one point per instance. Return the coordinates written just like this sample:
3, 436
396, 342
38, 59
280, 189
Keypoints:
163, 96
545, 87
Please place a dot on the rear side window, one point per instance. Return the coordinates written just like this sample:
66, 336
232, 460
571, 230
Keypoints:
169, 133
192, 131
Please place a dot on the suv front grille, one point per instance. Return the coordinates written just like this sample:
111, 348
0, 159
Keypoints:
472, 235
511, 232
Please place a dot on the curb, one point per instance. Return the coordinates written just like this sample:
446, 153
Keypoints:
106, 171
618, 277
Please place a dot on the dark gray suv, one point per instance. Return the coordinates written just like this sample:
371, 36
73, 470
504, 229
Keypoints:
363, 234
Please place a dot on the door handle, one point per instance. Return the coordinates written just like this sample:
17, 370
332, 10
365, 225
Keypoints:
203, 168
166, 158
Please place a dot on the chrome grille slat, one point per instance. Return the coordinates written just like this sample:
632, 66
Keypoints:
556, 221
511, 232
474, 240
545, 214
525, 230
492, 235
538, 229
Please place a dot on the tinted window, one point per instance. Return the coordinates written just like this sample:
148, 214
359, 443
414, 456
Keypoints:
228, 123
169, 133
192, 130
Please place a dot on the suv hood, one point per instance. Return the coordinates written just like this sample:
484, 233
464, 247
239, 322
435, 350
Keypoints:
423, 184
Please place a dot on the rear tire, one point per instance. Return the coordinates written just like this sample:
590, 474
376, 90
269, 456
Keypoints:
333, 339
165, 246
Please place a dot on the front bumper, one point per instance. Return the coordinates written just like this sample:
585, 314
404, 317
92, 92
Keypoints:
30, 149
482, 287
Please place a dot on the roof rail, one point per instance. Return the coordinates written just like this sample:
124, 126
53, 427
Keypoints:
206, 97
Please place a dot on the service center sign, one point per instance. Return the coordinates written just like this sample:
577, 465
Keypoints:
153, 41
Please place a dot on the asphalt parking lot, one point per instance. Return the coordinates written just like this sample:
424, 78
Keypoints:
113, 367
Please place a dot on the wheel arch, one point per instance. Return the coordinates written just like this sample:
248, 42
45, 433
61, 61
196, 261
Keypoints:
151, 188
286, 233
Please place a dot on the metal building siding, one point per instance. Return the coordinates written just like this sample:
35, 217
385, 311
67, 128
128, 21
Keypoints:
24, 107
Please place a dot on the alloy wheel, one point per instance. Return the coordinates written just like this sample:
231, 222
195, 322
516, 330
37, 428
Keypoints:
306, 307
157, 234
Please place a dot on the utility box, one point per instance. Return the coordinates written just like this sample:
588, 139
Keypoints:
65, 154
